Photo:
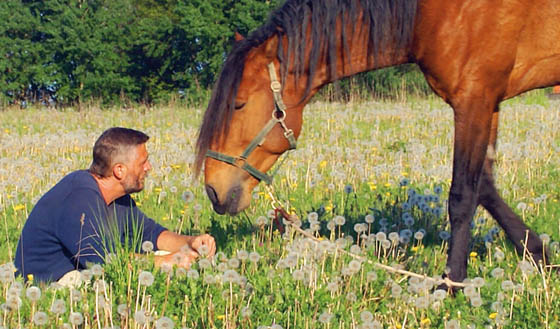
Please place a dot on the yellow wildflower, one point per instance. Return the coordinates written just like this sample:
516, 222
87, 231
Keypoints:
425, 321
19, 207
157, 189
387, 185
414, 249
473, 254
493, 315
323, 164
30, 277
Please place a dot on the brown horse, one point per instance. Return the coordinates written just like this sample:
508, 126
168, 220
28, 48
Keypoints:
474, 54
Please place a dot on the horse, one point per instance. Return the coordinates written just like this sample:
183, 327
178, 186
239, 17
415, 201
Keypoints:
473, 54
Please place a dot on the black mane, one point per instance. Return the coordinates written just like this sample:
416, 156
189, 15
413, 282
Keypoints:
389, 21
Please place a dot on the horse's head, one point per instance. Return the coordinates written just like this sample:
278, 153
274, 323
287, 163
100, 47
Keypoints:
246, 126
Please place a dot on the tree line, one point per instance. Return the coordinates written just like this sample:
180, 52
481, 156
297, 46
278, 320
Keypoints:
66, 52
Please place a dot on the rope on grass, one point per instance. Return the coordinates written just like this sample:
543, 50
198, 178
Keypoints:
279, 209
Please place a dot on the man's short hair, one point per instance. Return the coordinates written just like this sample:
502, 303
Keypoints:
114, 146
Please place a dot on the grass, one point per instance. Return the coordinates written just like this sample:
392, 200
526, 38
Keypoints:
351, 161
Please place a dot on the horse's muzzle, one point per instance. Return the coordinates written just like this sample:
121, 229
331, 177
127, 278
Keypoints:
231, 202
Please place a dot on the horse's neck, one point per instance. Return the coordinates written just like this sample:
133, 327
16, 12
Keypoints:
359, 59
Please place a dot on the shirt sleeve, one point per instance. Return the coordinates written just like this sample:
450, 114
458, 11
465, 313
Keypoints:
151, 229
80, 227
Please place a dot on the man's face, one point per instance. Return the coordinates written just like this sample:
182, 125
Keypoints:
137, 170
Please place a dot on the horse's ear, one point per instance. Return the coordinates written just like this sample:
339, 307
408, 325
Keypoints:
238, 36
271, 47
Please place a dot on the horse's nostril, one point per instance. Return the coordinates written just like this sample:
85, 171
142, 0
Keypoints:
212, 195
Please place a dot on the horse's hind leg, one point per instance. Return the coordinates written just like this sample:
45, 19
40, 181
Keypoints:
489, 198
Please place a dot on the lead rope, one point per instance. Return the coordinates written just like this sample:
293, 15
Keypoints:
281, 213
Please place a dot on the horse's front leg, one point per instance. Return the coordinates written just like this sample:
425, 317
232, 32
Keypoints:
473, 117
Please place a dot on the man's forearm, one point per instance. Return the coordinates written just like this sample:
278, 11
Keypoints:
173, 242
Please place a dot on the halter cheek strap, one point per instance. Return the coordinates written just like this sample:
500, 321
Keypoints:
278, 116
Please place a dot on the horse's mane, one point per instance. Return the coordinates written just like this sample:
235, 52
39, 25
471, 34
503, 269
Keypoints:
389, 21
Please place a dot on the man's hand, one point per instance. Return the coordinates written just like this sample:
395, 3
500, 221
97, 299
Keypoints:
185, 257
204, 244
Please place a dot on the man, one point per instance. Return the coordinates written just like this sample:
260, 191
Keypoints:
79, 219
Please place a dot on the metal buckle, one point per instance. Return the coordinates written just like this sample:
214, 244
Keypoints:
275, 86
239, 162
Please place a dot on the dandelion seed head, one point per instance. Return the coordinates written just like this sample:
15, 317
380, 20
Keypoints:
452, 324
298, 275
422, 302
476, 301
507, 285
164, 323
386, 244
355, 249
332, 286
233, 262
254, 257
396, 290
499, 255
444, 235
339, 220
203, 250
187, 196
351, 297
230, 276
40, 318
369, 219
122, 309
439, 294
360, 227
58, 307
193, 274
366, 316
312, 216
76, 318
419, 235
246, 312
33, 293
204, 263
145, 278
86, 275
325, 317
140, 317
242, 255
97, 270
478, 282
394, 237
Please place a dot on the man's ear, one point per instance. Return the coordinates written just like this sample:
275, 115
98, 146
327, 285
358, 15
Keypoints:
119, 171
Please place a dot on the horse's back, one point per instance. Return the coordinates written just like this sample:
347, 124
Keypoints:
508, 46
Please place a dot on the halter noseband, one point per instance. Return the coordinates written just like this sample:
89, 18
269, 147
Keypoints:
278, 116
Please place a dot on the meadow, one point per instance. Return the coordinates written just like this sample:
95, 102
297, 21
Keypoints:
368, 179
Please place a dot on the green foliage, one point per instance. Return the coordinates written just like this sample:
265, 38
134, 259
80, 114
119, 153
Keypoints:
67, 52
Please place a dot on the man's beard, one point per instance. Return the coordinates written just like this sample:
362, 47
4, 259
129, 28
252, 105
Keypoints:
133, 185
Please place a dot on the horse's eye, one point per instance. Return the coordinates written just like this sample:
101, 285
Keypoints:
239, 105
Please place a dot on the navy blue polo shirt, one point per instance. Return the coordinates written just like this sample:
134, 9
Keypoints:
71, 226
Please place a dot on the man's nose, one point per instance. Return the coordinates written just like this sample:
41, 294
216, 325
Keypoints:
148, 166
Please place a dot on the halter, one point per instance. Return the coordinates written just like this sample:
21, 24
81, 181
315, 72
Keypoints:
278, 116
